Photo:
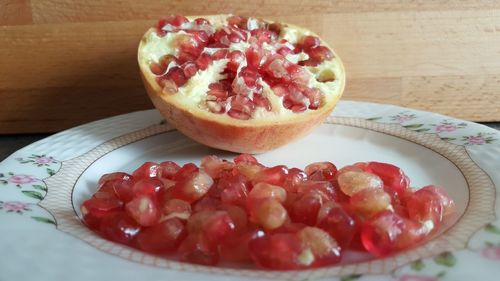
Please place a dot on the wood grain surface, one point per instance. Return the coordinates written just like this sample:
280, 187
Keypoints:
67, 62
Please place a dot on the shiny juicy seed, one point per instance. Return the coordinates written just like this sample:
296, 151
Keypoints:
318, 247
309, 42
393, 177
279, 218
176, 74
201, 21
337, 222
203, 61
146, 170
176, 208
279, 251
196, 249
144, 210
370, 201
193, 187
322, 171
388, 233
351, 182
190, 69
275, 175
162, 238
167, 170
120, 228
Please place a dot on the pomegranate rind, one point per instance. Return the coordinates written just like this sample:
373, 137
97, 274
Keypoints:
256, 135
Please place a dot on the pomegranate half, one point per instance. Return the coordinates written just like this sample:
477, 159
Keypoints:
239, 84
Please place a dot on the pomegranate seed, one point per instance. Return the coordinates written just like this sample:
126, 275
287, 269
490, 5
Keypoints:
275, 175
120, 228
200, 36
255, 57
220, 54
319, 54
393, 177
239, 217
189, 69
207, 203
268, 213
241, 108
429, 204
236, 249
284, 51
370, 201
176, 74
387, 233
146, 170
167, 170
249, 170
112, 177
237, 21
147, 186
306, 206
201, 21
245, 158
123, 190
196, 249
279, 251
144, 210
293, 179
95, 209
235, 59
216, 106
351, 182
324, 249
176, 208
321, 171
280, 90
192, 188
197, 219
163, 237
264, 35
214, 166
264, 190
218, 227
261, 101
203, 61
323, 188
186, 171
234, 189
337, 222
309, 42
177, 20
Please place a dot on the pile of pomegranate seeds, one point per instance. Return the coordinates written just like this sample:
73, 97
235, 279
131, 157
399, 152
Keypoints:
275, 217
262, 57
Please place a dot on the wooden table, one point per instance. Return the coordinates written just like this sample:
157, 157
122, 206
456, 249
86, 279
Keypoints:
66, 62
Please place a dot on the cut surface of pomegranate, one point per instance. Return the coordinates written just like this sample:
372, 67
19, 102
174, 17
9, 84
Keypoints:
278, 218
247, 77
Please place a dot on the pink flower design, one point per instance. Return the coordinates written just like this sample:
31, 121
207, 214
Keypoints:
491, 252
44, 160
446, 128
14, 206
21, 179
476, 140
413, 277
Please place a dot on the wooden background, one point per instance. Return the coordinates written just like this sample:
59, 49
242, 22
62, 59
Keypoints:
66, 62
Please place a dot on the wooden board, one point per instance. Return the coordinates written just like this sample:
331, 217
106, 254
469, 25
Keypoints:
67, 62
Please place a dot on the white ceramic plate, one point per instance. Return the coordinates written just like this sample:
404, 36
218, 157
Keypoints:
43, 184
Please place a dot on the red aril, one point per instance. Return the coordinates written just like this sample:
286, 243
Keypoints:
147, 186
351, 182
388, 233
321, 171
268, 213
203, 61
234, 189
239, 217
309, 42
218, 227
146, 170
305, 208
245, 158
393, 177
294, 178
279, 251
266, 191
337, 222
236, 249
95, 209
167, 170
113, 177
318, 247
210, 203
144, 210
370, 201
196, 221
120, 228
429, 204
176, 208
214, 166
324, 188
193, 187
162, 238
275, 175
196, 249
123, 190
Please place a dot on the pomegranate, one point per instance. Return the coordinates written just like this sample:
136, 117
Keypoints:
277, 218
239, 84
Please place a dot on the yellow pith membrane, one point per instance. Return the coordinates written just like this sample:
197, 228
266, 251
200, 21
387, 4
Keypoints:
239, 84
